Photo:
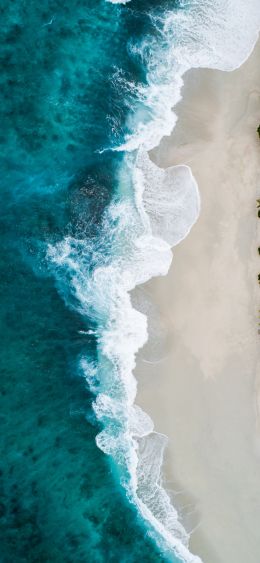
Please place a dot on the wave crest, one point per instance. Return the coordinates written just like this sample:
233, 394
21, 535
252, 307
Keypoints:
135, 239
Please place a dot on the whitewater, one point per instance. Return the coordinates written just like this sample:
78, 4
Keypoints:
152, 211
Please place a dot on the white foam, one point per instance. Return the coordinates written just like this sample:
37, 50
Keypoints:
118, 1
170, 198
139, 234
216, 34
103, 293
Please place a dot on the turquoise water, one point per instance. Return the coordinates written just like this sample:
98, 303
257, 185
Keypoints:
59, 499
86, 90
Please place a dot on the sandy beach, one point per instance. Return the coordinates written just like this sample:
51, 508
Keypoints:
199, 375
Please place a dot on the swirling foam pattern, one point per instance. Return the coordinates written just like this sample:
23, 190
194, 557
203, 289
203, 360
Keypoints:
86, 213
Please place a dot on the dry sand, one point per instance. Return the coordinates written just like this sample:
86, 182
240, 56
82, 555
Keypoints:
203, 394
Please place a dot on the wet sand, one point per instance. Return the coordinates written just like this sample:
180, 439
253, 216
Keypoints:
199, 376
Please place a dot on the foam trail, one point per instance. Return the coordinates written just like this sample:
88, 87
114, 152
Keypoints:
103, 293
139, 233
118, 1
218, 35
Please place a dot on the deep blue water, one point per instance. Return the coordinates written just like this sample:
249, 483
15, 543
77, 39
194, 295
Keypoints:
59, 499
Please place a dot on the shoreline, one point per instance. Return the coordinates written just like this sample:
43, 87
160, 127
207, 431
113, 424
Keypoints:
204, 377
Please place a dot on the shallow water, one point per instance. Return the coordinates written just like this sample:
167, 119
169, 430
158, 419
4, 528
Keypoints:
59, 498
86, 89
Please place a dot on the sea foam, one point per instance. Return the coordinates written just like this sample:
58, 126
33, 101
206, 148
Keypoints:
118, 1
140, 228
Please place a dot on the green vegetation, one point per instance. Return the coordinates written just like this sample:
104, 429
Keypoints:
258, 131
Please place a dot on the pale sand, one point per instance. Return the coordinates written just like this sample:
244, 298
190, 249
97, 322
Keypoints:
203, 394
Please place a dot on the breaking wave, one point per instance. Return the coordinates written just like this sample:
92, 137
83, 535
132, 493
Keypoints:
152, 211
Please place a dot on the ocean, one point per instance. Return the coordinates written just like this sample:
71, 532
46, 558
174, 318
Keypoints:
87, 89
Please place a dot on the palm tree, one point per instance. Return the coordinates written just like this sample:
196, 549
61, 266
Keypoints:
258, 131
